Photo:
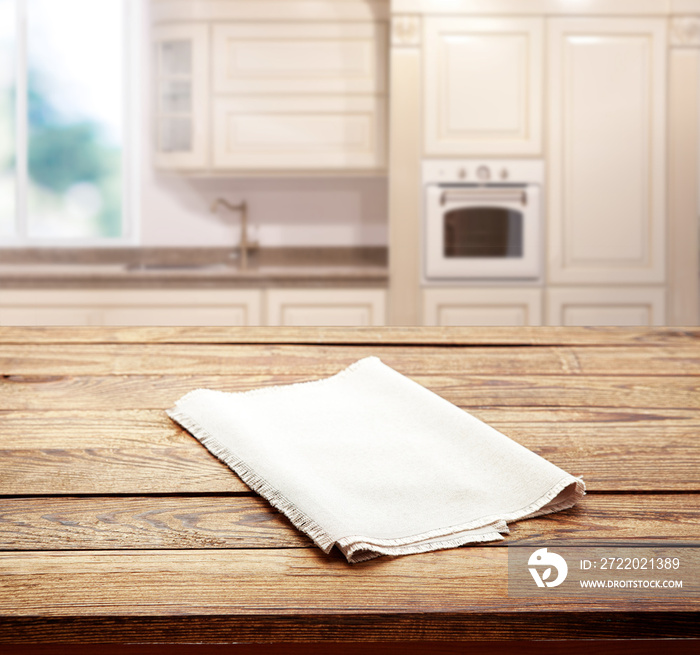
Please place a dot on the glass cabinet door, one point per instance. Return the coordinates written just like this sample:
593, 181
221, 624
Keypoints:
175, 96
180, 65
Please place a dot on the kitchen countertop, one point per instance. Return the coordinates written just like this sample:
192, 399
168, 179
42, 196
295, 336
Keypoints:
117, 526
192, 268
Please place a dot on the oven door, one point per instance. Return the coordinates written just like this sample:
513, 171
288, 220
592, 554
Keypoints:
482, 232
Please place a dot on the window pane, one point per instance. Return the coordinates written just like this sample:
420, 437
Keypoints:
76, 106
7, 117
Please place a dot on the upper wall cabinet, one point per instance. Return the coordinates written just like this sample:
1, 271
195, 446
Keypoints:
483, 86
181, 72
298, 132
607, 150
296, 85
325, 58
299, 96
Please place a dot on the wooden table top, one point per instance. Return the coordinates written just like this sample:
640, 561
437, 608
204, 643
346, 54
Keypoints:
117, 526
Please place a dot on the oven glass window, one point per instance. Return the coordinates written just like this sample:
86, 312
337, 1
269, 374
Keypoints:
483, 232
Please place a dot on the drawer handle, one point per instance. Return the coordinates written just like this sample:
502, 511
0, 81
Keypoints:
484, 194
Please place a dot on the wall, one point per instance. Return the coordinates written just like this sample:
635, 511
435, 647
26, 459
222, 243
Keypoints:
282, 212
322, 211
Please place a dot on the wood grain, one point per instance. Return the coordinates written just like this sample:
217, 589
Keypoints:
317, 361
392, 335
330, 629
144, 523
38, 392
306, 582
116, 525
143, 451
552, 647
185, 523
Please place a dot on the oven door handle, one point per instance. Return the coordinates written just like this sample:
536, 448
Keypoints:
484, 194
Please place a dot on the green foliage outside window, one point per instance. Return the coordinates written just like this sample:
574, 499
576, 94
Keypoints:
63, 154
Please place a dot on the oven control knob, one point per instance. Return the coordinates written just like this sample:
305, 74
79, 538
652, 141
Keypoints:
504, 174
462, 173
483, 173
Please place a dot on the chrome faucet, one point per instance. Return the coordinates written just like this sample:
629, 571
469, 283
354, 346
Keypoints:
243, 245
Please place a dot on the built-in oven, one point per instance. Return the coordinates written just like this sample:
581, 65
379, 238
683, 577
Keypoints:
483, 219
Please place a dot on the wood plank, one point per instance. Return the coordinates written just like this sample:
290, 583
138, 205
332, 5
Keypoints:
551, 647
621, 519
319, 361
94, 523
92, 452
331, 629
292, 582
183, 523
388, 336
469, 391
142, 428
143, 451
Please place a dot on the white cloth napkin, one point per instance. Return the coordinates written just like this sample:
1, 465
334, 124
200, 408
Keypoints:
372, 462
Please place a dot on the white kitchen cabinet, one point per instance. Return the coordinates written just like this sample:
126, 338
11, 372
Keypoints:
195, 307
595, 306
131, 307
299, 132
247, 87
299, 96
329, 307
483, 86
304, 57
180, 77
20, 314
482, 306
607, 79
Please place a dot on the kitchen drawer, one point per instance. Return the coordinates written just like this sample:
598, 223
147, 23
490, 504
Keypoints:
597, 306
331, 307
131, 307
299, 132
482, 306
49, 314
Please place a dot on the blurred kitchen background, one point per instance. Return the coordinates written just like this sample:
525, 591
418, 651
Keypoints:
349, 162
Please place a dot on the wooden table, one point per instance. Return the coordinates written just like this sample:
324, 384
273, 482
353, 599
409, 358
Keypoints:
117, 526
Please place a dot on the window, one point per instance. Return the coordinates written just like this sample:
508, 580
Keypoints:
67, 143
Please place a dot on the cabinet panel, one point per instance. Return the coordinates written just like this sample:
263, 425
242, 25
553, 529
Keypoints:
299, 132
469, 306
605, 306
49, 315
483, 86
293, 58
133, 307
326, 307
235, 314
607, 140
181, 71
264, 10
288, 89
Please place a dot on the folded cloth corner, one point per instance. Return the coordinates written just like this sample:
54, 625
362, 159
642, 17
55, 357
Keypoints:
372, 462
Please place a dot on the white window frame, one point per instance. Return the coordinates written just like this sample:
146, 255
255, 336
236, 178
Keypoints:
133, 25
